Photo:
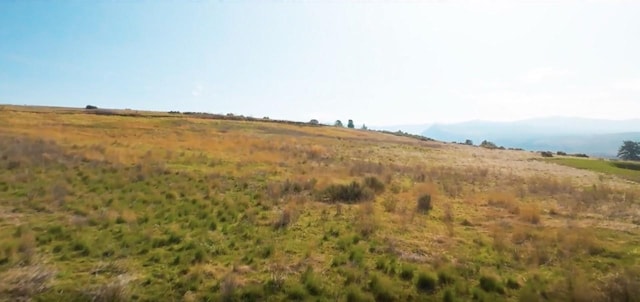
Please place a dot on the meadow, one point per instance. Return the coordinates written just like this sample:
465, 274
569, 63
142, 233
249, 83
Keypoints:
177, 208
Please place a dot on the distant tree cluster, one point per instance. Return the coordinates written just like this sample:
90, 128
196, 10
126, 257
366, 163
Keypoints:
338, 123
629, 150
546, 153
489, 145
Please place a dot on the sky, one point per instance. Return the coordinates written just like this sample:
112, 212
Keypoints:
376, 62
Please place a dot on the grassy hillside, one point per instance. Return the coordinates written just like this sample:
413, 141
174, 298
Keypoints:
120, 208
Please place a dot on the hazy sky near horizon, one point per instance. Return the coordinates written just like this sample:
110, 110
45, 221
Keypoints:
377, 62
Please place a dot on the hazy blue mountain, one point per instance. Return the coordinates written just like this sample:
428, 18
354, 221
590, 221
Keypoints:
574, 135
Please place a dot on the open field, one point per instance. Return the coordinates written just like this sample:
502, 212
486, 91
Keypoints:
135, 208
601, 166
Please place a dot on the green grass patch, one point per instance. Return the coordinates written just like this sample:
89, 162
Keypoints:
601, 166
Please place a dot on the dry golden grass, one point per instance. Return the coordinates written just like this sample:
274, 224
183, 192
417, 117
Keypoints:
198, 204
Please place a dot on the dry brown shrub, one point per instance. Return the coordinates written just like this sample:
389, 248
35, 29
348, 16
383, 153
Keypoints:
228, 286
576, 240
113, 291
316, 152
623, 285
497, 233
576, 287
530, 213
27, 247
453, 187
286, 216
522, 234
505, 200
449, 218
361, 168
543, 185
22, 283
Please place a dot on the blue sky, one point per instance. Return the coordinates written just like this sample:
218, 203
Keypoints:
377, 62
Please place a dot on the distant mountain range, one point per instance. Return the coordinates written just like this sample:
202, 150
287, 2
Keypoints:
595, 137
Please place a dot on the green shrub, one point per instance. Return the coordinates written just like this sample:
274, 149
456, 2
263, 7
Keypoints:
355, 294
382, 288
356, 256
381, 264
339, 260
448, 295
426, 282
81, 247
406, 272
312, 282
512, 284
424, 203
351, 193
445, 277
491, 284
252, 292
296, 292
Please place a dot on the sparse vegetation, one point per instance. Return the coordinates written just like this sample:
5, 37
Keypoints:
201, 207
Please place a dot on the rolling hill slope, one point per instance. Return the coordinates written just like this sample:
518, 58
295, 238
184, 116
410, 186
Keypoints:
157, 208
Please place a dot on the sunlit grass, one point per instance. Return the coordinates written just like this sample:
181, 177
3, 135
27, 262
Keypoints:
174, 208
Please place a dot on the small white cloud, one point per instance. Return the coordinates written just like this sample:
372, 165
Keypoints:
542, 74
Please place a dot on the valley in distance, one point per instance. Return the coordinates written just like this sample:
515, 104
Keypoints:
125, 205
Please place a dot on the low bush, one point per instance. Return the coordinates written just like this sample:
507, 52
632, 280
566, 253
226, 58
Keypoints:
546, 153
488, 145
424, 203
351, 193
491, 284
426, 282
448, 295
389, 204
446, 277
579, 155
406, 272
512, 284
312, 282
296, 292
355, 294
530, 213
383, 288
